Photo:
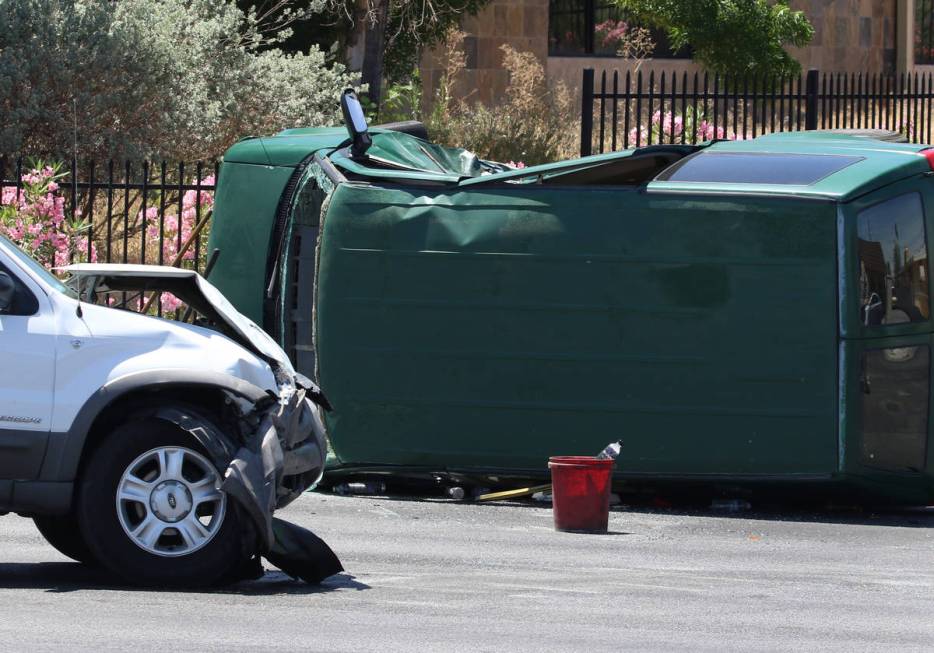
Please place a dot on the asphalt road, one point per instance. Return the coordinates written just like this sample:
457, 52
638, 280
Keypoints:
436, 576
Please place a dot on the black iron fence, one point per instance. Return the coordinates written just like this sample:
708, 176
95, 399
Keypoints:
126, 212
632, 109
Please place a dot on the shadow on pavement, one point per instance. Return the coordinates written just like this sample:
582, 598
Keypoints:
74, 577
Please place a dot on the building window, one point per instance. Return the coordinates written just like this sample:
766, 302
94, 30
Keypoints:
924, 32
591, 28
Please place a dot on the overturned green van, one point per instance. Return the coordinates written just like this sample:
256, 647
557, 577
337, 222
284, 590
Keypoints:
734, 312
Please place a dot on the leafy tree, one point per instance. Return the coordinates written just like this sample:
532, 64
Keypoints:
397, 31
178, 79
731, 36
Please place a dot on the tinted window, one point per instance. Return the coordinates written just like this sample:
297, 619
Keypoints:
757, 168
893, 262
24, 302
895, 387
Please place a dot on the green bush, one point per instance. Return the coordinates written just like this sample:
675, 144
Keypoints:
535, 122
731, 36
174, 79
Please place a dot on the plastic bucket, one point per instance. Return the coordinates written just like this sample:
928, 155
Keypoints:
580, 488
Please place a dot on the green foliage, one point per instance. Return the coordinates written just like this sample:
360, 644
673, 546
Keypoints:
412, 27
533, 124
179, 79
403, 100
731, 36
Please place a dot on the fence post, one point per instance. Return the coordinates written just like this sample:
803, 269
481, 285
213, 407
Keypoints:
587, 113
810, 100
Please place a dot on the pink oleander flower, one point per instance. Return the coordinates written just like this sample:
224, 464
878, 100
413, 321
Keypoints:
612, 32
174, 229
34, 218
169, 302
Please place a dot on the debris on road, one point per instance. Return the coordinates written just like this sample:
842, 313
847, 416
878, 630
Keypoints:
610, 452
363, 487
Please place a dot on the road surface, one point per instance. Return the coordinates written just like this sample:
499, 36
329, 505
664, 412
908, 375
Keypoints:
427, 575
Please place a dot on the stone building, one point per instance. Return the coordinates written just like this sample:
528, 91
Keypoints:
868, 36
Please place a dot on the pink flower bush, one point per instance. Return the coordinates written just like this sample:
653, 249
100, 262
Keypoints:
669, 127
611, 32
33, 217
177, 229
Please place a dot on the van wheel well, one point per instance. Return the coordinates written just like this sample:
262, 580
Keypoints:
212, 402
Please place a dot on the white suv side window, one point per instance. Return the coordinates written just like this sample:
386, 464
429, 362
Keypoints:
24, 301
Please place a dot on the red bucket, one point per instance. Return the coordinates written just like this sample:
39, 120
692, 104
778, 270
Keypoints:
581, 493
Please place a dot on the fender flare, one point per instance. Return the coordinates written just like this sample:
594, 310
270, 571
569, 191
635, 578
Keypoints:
63, 454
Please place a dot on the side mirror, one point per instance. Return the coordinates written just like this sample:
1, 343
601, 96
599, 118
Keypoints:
7, 290
356, 123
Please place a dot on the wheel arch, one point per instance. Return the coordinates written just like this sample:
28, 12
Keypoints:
113, 402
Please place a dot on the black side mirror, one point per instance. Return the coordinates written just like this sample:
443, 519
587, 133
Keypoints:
356, 123
7, 290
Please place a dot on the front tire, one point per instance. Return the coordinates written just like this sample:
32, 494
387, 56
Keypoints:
150, 510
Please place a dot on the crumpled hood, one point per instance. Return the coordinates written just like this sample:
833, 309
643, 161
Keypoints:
188, 286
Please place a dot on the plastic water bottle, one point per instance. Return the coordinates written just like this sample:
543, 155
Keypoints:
611, 451
367, 487
456, 493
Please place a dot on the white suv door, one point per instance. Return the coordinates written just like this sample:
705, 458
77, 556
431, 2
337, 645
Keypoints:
27, 374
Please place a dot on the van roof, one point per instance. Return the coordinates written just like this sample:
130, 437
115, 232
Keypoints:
852, 164
859, 165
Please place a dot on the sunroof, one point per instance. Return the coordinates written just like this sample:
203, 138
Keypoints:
757, 168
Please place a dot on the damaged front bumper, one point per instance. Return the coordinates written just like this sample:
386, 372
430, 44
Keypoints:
281, 455
279, 452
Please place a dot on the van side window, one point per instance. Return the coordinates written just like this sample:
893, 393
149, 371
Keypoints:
24, 303
893, 262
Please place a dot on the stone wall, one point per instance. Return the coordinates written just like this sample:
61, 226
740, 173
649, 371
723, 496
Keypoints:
850, 36
523, 24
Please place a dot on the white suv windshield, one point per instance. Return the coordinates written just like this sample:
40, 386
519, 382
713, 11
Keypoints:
37, 268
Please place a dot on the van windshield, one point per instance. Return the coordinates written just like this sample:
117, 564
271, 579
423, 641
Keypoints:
37, 268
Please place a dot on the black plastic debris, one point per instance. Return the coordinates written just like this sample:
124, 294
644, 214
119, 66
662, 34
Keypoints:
301, 554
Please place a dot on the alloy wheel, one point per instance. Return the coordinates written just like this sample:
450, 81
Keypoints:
168, 501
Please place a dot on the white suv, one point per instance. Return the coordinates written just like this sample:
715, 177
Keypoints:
156, 448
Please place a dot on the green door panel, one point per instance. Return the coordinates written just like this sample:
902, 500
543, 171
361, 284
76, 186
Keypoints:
885, 414
244, 211
886, 417
496, 327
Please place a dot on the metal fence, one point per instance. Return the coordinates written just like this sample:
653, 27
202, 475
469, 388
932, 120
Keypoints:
633, 110
130, 212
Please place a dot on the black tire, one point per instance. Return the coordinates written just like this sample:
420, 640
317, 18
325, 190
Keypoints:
108, 541
65, 536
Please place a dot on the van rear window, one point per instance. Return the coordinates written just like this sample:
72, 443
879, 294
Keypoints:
893, 262
757, 168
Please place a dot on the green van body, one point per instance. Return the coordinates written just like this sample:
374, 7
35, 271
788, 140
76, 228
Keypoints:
467, 319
